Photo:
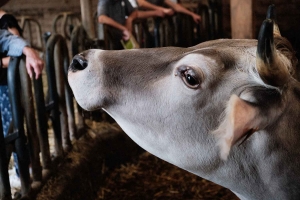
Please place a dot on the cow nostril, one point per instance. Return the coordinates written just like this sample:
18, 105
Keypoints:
78, 63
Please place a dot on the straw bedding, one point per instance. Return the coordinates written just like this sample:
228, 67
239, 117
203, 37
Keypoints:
151, 178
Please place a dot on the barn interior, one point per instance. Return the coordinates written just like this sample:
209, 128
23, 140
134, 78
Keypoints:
76, 154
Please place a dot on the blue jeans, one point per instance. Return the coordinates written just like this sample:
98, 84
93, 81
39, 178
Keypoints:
6, 116
5, 108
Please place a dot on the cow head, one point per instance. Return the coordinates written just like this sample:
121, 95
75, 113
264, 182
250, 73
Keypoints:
275, 65
186, 105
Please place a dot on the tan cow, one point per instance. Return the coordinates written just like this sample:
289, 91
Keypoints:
226, 110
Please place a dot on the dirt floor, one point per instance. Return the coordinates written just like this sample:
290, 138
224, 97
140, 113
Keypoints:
108, 165
150, 178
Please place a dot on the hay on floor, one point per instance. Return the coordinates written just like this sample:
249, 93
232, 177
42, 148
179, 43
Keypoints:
152, 178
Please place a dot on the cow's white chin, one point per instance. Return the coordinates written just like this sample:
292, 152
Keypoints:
87, 102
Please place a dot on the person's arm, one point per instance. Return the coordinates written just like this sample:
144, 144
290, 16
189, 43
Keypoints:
179, 8
127, 29
14, 31
2, 12
5, 62
130, 19
103, 19
145, 4
13, 45
137, 14
33, 62
150, 13
103, 15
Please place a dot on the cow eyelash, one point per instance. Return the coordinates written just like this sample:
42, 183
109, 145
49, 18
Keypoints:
189, 77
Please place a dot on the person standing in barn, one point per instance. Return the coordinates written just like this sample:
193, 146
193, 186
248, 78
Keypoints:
119, 15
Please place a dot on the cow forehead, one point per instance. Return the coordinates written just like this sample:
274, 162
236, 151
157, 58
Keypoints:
242, 57
194, 58
209, 64
228, 50
227, 43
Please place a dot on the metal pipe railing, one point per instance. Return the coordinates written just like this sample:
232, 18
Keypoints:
61, 21
33, 32
20, 139
37, 127
28, 152
53, 97
30, 119
28, 145
42, 125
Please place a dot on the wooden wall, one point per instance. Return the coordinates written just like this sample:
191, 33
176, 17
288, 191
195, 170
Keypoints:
44, 10
247, 16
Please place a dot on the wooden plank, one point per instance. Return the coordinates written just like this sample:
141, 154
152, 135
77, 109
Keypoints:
241, 19
87, 17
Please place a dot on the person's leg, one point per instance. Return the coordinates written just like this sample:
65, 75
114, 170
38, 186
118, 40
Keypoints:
5, 107
6, 116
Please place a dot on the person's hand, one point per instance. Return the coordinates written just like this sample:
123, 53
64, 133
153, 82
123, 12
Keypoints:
159, 13
168, 11
196, 18
33, 62
5, 62
126, 35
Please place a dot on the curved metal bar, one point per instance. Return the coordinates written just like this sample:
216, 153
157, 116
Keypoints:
42, 122
17, 116
65, 16
53, 105
59, 56
68, 94
64, 100
29, 113
78, 40
26, 24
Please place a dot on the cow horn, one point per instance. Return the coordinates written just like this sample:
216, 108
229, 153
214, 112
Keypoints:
269, 66
272, 15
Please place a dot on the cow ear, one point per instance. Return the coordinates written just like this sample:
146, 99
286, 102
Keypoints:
241, 120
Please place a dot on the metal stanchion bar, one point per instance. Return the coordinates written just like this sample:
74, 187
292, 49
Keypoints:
18, 128
53, 105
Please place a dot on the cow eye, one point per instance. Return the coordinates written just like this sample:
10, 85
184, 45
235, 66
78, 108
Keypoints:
189, 78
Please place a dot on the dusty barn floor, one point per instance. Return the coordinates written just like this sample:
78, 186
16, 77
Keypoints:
106, 164
150, 178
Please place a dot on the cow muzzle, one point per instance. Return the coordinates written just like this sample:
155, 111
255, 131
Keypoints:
78, 63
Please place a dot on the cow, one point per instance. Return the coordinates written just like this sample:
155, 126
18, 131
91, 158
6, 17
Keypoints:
226, 110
